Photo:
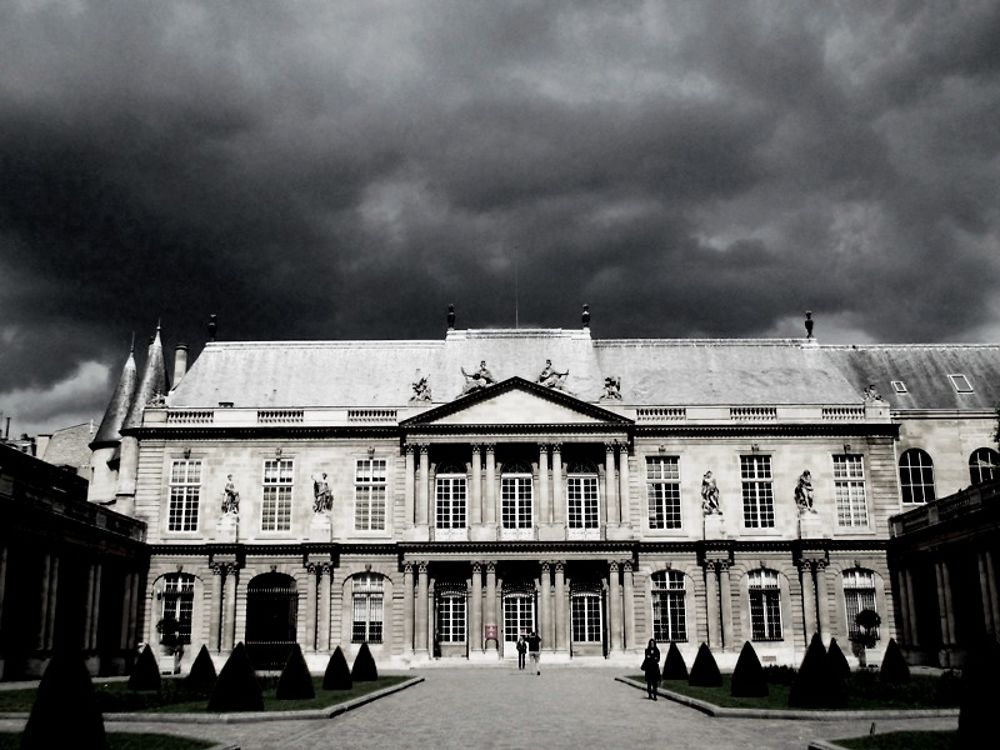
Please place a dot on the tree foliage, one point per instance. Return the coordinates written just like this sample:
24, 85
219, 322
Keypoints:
816, 684
674, 667
748, 680
364, 666
980, 694
338, 674
202, 677
65, 712
295, 682
894, 670
237, 688
705, 672
145, 672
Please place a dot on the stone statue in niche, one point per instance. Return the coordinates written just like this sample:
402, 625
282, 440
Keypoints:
804, 493
552, 378
710, 495
231, 498
612, 388
421, 390
479, 379
322, 496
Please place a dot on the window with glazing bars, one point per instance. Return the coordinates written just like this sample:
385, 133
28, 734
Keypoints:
582, 501
451, 493
765, 606
178, 603
451, 617
586, 616
518, 616
515, 501
369, 494
916, 476
368, 596
276, 508
849, 490
185, 495
859, 594
983, 465
663, 490
669, 615
758, 494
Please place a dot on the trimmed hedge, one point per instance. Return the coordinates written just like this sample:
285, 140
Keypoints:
145, 672
295, 682
838, 662
338, 674
705, 672
364, 666
748, 680
895, 670
65, 712
674, 667
816, 684
202, 677
237, 688
979, 695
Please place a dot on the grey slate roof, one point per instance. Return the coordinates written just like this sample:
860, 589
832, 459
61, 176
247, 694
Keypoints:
109, 433
154, 380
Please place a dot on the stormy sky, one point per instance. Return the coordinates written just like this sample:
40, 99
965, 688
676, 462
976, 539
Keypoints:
335, 170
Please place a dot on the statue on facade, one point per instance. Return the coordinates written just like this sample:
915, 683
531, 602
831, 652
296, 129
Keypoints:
710, 504
872, 394
479, 379
157, 400
612, 388
322, 496
421, 390
231, 498
552, 378
804, 493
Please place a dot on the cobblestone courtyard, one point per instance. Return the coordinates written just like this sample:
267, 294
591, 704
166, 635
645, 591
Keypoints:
502, 708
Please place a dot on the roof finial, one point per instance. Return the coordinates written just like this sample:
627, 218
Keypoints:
585, 317
131, 348
809, 324
213, 326
451, 317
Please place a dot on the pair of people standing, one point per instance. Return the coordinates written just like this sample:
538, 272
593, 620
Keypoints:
651, 668
531, 644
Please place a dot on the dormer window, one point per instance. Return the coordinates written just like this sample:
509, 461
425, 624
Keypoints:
961, 383
899, 386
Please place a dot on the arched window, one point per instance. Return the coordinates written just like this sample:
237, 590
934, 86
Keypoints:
765, 605
178, 603
515, 496
669, 615
984, 465
916, 476
368, 595
859, 594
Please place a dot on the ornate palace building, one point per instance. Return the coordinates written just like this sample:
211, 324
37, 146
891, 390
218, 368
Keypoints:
438, 498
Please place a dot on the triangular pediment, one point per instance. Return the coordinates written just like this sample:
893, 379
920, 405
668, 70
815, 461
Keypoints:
517, 402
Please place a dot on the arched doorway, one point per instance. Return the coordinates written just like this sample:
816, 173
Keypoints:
272, 611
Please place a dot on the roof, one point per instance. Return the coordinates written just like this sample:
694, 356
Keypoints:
109, 433
69, 446
153, 383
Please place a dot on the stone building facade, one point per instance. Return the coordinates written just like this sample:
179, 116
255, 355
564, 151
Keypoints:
438, 498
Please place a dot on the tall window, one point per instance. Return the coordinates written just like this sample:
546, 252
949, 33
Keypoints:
518, 615
582, 499
185, 492
916, 476
178, 602
368, 594
849, 488
451, 494
586, 616
369, 494
451, 616
663, 488
669, 617
859, 594
765, 605
984, 465
758, 494
515, 498
276, 509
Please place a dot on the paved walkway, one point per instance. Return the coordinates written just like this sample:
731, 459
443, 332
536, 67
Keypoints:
501, 708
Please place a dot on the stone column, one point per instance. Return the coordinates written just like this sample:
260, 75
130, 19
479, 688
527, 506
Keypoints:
544, 505
312, 629
624, 494
545, 629
88, 613
3, 578
407, 609
809, 616
409, 487
133, 611
628, 590
991, 582
949, 606
712, 605
43, 602
422, 485
984, 592
50, 622
490, 612
323, 605
899, 579
615, 630
558, 499
215, 613
822, 599
477, 486
123, 641
420, 624
914, 627
491, 486
560, 606
476, 608
611, 516
726, 600
95, 606
229, 621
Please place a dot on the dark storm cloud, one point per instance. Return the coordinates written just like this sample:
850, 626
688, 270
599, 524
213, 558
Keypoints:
338, 170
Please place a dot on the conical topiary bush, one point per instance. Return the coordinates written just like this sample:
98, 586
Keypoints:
295, 682
704, 671
237, 688
338, 674
816, 685
837, 661
364, 666
201, 678
674, 667
979, 695
895, 670
65, 712
748, 679
145, 672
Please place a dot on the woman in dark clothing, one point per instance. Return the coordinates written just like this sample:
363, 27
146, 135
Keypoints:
651, 668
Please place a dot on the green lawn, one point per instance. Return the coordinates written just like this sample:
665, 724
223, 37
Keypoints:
114, 697
864, 693
903, 741
12, 741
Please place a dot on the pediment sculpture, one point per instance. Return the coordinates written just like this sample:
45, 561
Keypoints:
612, 388
481, 378
421, 390
552, 378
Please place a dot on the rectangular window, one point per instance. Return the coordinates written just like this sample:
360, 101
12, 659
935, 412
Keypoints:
185, 493
518, 616
582, 501
369, 494
849, 489
367, 610
663, 489
451, 493
276, 508
586, 615
451, 619
859, 594
758, 494
178, 603
765, 607
515, 498
961, 383
669, 620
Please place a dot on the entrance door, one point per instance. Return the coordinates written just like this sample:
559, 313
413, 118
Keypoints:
272, 609
518, 619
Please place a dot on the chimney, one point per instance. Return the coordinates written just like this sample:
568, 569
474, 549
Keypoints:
180, 363
41, 443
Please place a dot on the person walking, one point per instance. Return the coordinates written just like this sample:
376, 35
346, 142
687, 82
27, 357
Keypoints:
534, 649
651, 668
522, 647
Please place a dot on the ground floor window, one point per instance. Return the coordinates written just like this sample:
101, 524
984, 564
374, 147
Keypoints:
368, 599
586, 616
765, 606
859, 594
669, 615
518, 615
178, 603
451, 617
